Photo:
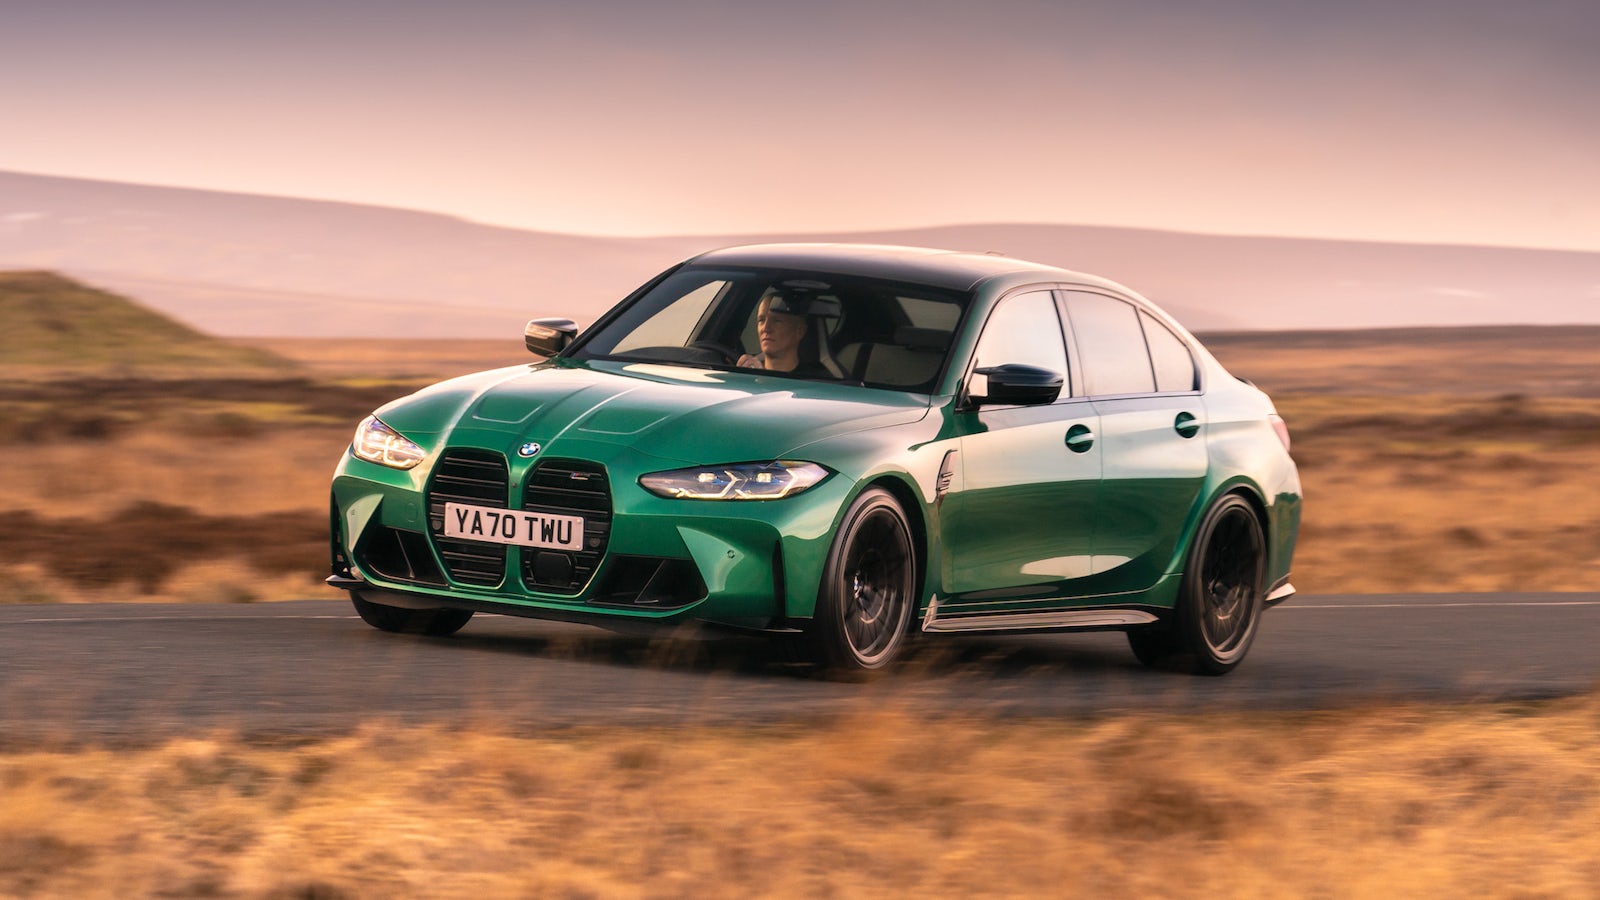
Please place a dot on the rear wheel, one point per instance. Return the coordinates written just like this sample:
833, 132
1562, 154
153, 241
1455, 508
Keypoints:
432, 622
868, 587
1219, 601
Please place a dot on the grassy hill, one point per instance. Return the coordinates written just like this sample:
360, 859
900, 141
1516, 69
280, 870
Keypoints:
52, 326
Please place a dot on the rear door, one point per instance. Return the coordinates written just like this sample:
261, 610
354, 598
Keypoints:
1142, 380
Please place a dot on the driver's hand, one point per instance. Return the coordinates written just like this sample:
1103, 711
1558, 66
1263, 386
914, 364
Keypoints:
751, 360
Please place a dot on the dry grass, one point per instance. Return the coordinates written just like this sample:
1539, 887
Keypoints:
1411, 801
1447, 494
1439, 459
220, 577
287, 471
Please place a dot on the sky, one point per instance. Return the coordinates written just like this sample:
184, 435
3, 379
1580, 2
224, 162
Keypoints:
1450, 121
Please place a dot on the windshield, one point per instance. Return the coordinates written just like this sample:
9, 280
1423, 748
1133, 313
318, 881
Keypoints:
812, 325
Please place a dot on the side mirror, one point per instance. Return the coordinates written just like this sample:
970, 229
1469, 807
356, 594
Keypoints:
548, 337
1014, 384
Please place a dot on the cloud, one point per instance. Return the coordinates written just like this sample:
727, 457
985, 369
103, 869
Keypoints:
1460, 293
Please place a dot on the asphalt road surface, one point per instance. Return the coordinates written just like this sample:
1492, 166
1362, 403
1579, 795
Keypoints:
143, 671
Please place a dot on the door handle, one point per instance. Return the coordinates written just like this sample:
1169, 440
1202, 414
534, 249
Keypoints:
1186, 425
1079, 438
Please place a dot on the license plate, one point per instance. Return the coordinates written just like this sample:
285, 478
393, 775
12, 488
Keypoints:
512, 526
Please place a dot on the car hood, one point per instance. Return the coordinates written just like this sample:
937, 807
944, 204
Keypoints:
672, 412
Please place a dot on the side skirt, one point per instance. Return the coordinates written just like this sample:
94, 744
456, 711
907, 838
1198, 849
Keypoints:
1063, 619
1282, 591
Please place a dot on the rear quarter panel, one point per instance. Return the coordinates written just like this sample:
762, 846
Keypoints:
1246, 455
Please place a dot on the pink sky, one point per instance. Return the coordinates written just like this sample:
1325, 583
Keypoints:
1429, 120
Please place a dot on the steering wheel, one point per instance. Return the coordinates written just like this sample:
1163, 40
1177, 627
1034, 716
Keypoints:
724, 353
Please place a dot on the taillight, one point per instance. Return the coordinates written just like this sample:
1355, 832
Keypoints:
1280, 429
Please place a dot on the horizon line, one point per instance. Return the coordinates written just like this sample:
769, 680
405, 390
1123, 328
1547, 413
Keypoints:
768, 236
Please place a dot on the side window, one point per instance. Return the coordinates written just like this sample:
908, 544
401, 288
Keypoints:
1024, 329
1170, 356
1111, 345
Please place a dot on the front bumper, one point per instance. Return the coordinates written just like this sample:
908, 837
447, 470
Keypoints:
747, 564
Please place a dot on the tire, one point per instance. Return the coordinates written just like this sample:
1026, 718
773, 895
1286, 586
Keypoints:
431, 622
1220, 599
868, 590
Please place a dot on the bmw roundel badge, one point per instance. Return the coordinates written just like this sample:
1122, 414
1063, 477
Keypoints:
531, 448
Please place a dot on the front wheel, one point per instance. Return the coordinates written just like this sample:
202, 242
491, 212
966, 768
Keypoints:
868, 587
1220, 599
431, 622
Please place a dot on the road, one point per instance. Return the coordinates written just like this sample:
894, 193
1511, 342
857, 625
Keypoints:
144, 671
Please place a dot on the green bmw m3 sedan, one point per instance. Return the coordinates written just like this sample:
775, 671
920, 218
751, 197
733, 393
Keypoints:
842, 446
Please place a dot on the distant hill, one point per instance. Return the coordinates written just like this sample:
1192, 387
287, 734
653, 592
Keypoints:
237, 264
50, 325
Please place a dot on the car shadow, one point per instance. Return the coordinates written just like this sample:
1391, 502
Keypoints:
680, 650
705, 650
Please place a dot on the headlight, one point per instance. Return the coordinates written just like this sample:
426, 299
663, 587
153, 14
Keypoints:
737, 481
378, 443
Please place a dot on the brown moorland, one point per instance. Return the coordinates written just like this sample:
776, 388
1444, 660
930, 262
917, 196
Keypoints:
1434, 477
1439, 459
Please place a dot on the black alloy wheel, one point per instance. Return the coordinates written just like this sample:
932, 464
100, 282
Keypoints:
868, 587
1220, 599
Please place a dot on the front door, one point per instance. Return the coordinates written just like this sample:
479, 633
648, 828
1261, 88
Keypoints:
1018, 522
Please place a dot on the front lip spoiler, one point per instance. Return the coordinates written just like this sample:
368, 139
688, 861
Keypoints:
621, 625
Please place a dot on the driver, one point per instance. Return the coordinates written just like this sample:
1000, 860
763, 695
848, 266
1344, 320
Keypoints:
780, 334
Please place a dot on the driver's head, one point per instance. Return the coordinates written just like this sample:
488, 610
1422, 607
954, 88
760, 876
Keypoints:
779, 332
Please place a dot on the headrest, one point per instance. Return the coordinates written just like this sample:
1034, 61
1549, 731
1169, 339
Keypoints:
914, 338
